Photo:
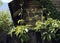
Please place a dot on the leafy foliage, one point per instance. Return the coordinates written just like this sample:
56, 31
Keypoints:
49, 27
21, 32
20, 21
50, 10
5, 21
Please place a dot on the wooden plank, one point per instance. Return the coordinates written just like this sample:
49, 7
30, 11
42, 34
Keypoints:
15, 9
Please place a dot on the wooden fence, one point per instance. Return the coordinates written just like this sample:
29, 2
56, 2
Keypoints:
34, 37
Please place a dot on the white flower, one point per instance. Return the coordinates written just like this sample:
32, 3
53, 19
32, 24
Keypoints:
26, 30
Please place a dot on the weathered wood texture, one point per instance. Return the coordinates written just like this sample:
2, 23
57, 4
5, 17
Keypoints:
34, 37
15, 9
31, 6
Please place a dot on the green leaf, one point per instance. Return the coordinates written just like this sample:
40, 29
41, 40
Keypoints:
21, 21
11, 32
49, 37
44, 37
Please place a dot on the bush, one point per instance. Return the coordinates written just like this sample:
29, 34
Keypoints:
5, 21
